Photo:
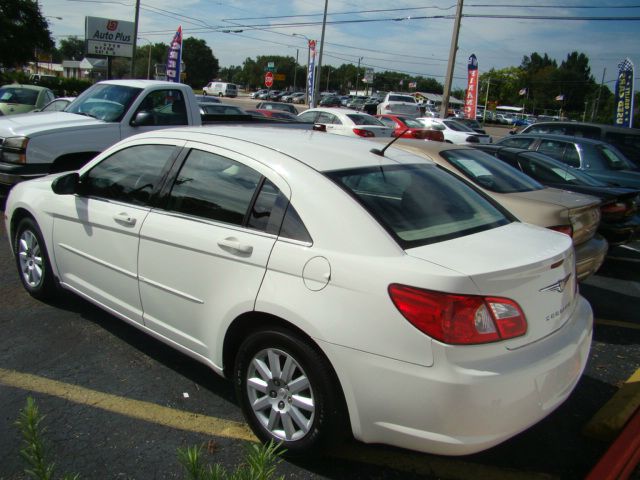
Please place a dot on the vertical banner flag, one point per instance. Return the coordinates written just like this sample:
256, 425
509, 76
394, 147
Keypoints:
310, 73
175, 57
471, 100
624, 95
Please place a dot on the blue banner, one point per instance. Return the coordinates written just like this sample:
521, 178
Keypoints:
174, 59
623, 115
310, 73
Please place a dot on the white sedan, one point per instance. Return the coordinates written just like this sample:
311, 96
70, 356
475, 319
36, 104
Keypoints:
455, 132
340, 287
344, 121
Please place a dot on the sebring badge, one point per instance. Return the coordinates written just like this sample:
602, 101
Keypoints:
558, 286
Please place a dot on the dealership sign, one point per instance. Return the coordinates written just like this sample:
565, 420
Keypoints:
113, 38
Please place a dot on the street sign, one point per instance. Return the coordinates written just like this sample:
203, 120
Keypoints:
268, 79
271, 66
279, 76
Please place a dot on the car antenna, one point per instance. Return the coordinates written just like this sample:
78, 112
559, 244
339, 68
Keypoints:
377, 151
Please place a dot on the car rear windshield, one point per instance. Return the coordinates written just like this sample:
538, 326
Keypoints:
419, 204
488, 172
22, 96
364, 120
402, 98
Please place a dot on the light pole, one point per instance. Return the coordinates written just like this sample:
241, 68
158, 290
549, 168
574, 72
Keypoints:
295, 71
148, 57
328, 75
306, 90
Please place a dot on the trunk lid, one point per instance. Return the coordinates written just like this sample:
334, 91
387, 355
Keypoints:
533, 266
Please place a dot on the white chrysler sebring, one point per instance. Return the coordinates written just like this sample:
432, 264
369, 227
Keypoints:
343, 288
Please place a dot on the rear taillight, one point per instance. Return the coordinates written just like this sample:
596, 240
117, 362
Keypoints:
459, 319
613, 208
566, 229
361, 132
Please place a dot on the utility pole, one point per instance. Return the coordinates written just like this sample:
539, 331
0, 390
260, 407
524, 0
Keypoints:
295, 71
135, 37
358, 74
316, 93
486, 101
452, 61
594, 112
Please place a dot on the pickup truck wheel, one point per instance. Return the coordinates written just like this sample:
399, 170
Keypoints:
204, 93
287, 391
32, 261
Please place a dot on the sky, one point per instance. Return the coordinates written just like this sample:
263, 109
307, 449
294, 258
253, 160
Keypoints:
409, 36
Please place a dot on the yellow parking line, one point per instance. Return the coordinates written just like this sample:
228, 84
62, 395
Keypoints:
442, 467
617, 323
610, 419
149, 412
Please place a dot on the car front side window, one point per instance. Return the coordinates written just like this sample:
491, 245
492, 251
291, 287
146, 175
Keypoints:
214, 187
130, 175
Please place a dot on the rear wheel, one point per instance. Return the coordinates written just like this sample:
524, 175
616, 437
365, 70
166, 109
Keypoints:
32, 260
288, 392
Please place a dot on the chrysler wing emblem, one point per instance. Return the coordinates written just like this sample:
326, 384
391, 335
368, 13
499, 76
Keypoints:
558, 286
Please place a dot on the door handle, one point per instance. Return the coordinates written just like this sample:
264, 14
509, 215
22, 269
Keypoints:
125, 219
234, 244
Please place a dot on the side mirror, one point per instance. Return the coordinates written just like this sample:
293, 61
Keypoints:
66, 184
142, 118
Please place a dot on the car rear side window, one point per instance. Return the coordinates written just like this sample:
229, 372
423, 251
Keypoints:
419, 204
130, 175
483, 170
214, 187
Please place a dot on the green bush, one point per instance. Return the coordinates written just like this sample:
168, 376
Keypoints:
261, 460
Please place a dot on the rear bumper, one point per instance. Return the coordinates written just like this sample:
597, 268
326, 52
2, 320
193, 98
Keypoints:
459, 407
622, 232
590, 255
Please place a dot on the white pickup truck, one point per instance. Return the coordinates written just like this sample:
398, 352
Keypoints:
36, 144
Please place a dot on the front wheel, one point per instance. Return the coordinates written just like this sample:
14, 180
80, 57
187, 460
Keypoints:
288, 392
32, 260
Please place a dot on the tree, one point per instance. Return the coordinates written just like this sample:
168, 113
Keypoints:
72, 48
200, 64
145, 63
24, 31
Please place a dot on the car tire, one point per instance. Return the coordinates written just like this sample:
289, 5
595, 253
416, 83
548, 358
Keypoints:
32, 261
288, 392
204, 93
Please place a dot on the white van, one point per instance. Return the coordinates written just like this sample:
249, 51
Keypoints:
221, 89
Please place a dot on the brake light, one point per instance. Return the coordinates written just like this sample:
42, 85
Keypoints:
459, 319
361, 132
566, 229
614, 208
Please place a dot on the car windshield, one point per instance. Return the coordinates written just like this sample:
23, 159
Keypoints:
490, 173
218, 109
419, 204
549, 170
612, 158
105, 102
364, 120
402, 98
457, 126
411, 122
22, 96
427, 123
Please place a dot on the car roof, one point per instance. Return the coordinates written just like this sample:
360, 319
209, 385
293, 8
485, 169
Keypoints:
563, 138
26, 87
589, 124
319, 150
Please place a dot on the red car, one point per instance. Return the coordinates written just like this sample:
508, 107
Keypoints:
408, 127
